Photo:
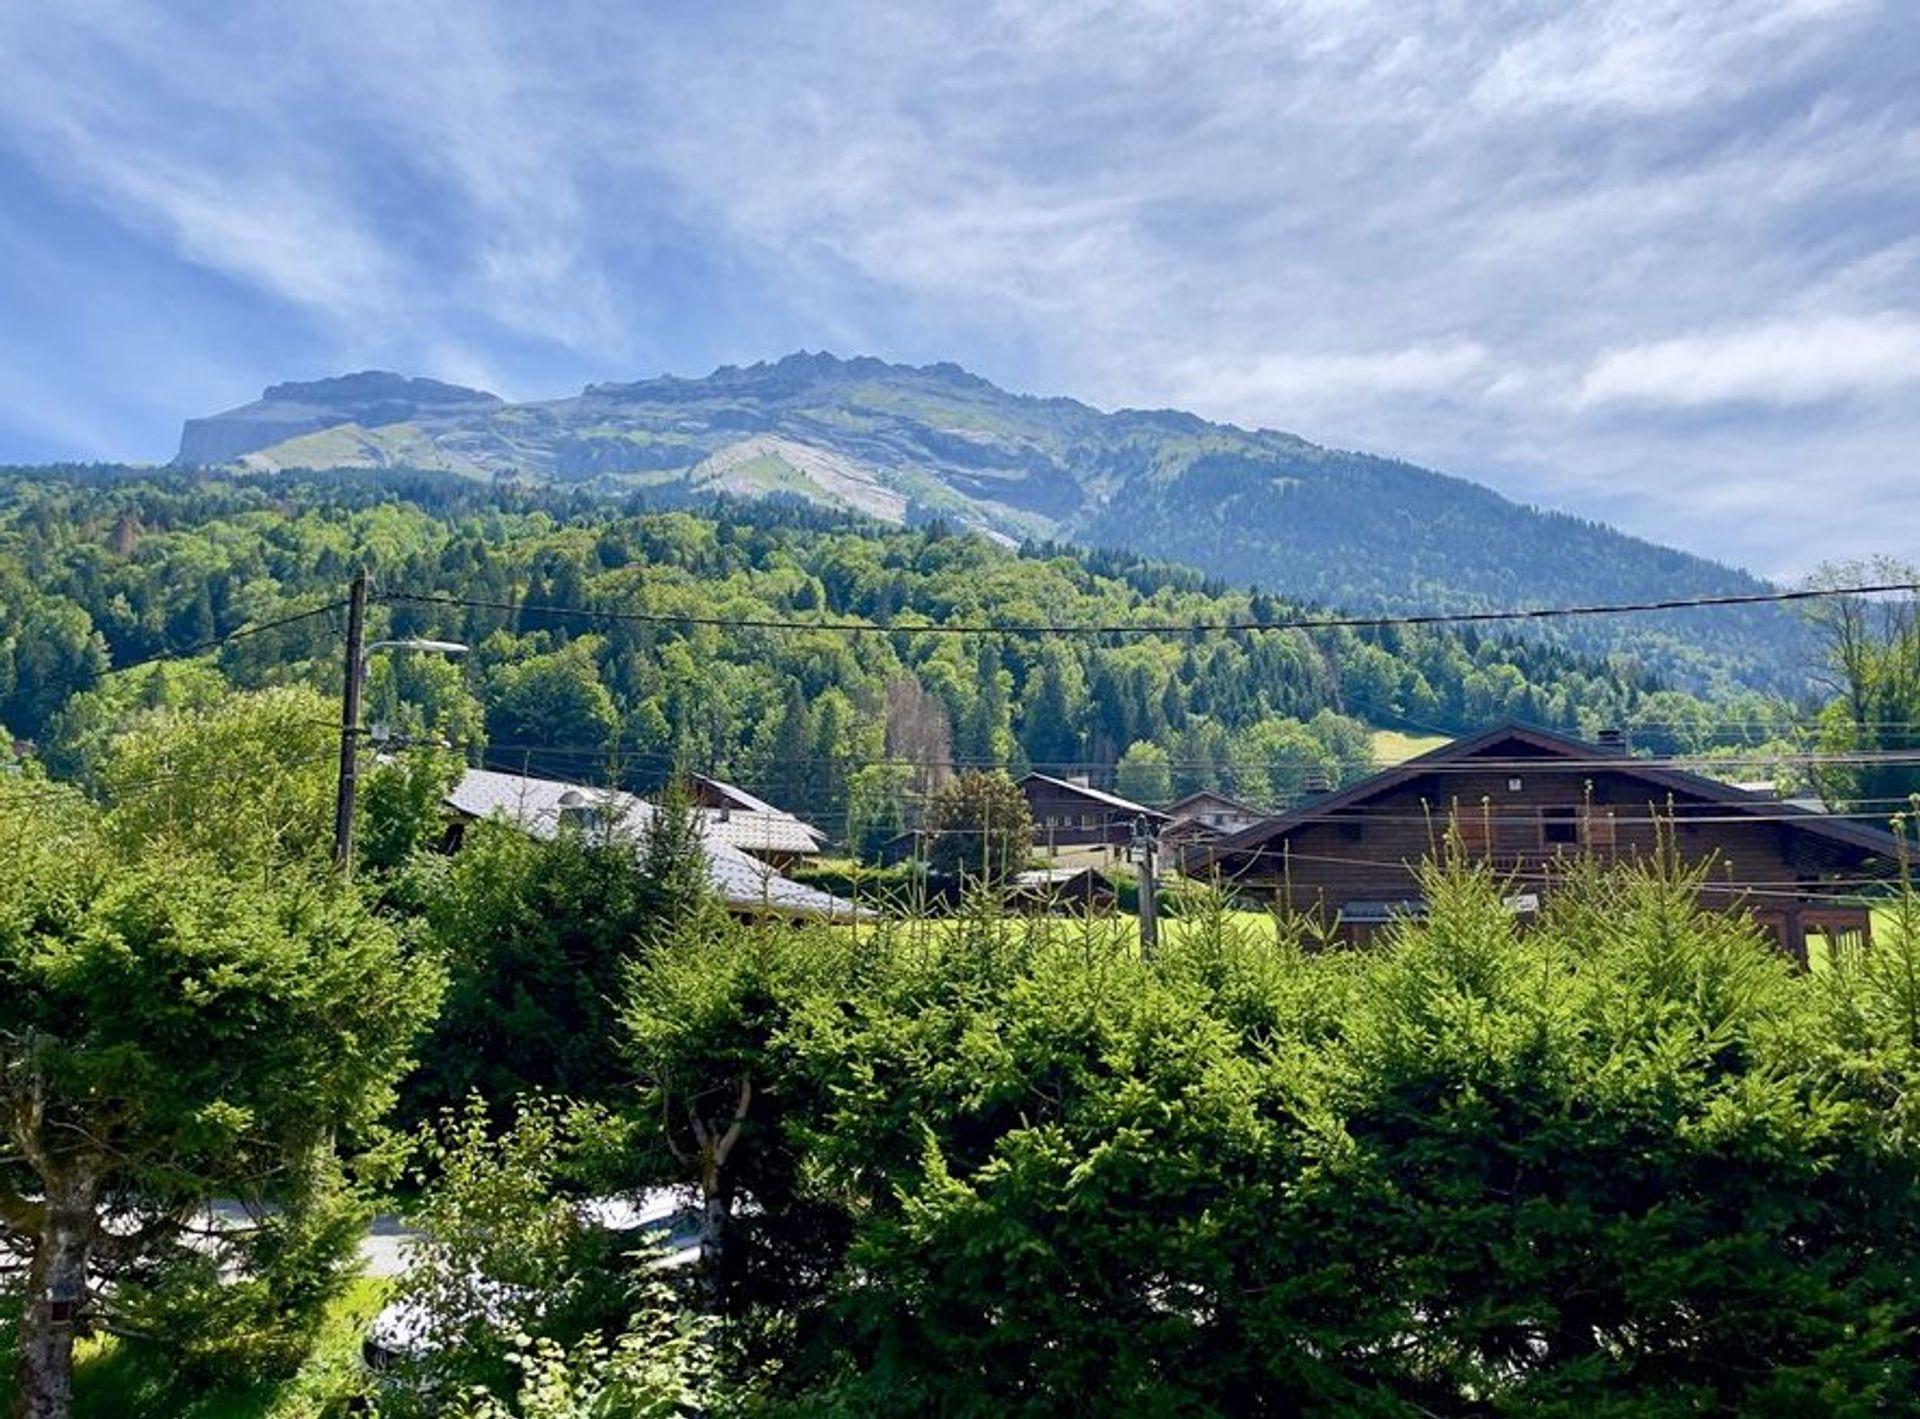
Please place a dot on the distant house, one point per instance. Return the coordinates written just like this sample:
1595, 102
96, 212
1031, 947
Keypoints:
914, 845
1206, 815
1060, 890
1524, 799
732, 815
1069, 814
541, 807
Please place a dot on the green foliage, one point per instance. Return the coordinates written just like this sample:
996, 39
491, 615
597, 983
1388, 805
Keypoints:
247, 779
508, 1259
551, 703
877, 807
1143, 774
118, 1376
1626, 1161
175, 1027
247, 1305
657, 1367
982, 829
793, 716
1871, 652
400, 807
536, 935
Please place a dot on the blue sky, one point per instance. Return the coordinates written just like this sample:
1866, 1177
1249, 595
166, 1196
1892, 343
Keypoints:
1652, 261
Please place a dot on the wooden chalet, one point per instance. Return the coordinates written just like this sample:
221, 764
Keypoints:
1522, 798
1069, 814
732, 815
1207, 816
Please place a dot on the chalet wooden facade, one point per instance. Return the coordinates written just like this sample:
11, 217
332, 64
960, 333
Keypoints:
1207, 816
1524, 798
1068, 814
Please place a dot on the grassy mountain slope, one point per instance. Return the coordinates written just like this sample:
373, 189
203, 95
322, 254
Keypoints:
906, 444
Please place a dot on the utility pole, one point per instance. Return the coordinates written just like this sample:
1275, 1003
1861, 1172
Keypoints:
1149, 906
350, 726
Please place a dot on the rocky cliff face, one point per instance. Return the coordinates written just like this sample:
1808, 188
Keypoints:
371, 399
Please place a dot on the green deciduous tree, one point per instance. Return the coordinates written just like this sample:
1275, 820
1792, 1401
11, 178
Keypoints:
1143, 775
1870, 661
246, 779
550, 713
982, 829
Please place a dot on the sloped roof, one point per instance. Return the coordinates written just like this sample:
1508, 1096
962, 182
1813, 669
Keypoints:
1059, 876
1552, 745
535, 805
738, 797
762, 832
1109, 800
1194, 801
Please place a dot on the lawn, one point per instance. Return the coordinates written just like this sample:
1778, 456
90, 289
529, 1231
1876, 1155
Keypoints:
120, 1379
1391, 746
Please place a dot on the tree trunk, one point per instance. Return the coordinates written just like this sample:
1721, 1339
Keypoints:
56, 1291
716, 1213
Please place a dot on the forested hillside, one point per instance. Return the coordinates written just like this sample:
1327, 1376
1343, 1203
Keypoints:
104, 569
908, 444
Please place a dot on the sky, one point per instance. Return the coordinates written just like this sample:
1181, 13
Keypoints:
1655, 262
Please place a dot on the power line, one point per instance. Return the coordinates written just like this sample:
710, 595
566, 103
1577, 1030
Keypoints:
88, 679
1302, 623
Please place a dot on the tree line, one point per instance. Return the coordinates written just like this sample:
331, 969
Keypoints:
102, 569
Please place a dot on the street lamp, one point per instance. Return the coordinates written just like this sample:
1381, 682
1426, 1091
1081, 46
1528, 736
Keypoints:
354, 680
380, 731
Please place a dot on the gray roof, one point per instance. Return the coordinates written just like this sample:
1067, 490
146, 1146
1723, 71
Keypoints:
1097, 795
762, 832
1193, 802
738, 797
535, 805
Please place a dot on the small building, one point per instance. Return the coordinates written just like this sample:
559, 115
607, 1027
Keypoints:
1206, 816
1055, 891
1524, 799
732, 815
914, 845
1069, 814
542, 807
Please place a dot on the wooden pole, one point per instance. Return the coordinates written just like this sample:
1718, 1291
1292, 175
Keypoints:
350, 726
1149, 905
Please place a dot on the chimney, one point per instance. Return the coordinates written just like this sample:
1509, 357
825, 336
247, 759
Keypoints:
1317, 785
1613, 743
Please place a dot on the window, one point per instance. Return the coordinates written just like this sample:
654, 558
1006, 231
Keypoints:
1560, 827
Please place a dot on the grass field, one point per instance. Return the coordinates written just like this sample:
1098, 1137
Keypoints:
125, 1379
1391, 746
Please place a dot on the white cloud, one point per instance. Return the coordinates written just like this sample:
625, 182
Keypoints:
1648, 56
1262, 389
1407, 225
1786, 362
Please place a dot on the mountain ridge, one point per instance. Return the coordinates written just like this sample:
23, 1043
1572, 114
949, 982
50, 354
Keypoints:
911, 443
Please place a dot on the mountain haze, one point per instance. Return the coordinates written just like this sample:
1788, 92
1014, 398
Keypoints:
906, 444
